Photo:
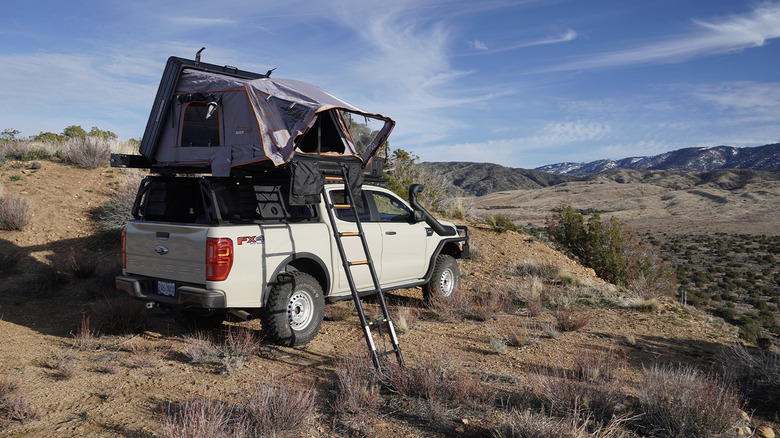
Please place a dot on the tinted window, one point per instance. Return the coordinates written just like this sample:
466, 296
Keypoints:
390, 208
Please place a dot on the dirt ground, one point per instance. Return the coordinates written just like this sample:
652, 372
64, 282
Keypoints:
116, 385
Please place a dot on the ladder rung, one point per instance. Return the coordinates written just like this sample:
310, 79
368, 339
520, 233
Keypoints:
342, 206
358, 262
334, 178
349, 233
386, 353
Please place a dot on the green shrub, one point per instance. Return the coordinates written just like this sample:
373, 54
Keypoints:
403, 169
614, 251
501, 223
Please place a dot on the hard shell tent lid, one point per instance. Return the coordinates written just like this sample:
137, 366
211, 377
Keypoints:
216, 121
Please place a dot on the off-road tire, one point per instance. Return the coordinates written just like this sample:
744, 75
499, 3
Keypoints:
294, 311
199, 320
445, 281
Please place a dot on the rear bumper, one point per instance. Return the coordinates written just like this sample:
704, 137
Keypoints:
187, 297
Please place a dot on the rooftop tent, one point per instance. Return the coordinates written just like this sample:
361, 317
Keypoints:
215, 119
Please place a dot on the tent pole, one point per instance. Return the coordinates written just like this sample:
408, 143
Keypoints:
319, 137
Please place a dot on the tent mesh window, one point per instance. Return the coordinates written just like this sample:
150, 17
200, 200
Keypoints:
200, 126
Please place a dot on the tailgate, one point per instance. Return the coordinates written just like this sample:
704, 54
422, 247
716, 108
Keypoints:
167, 251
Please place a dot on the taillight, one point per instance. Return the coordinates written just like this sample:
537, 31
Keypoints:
219, 258
124, 249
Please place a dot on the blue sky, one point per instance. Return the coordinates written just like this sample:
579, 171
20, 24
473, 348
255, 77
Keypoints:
520, 83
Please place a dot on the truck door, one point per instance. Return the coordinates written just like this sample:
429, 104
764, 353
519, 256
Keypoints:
403, 242
352, 245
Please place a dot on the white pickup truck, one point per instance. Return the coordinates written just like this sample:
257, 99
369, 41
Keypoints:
208, 246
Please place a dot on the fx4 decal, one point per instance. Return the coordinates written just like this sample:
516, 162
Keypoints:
250, 240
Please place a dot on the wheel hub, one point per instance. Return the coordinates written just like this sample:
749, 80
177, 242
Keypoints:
446, 283
300, 310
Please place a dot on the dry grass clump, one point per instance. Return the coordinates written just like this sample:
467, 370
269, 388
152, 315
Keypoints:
357, 385
237, 347
533, 268
756, 372
269, 409
89, 152
265, 409
14, 213
500, 223
119, 315
203, 417
594, 384
338, 311
85, 335
435, 387
145, 354
63, 365
476, 301
530, 424
681, 401
13, 403
357, 393
114, 214
643, 305
459, 209
202, 350
599, 365
569, 320
513, 331
535, 308
82, 263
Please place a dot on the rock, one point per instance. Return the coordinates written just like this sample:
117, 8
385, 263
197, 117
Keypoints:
744, 415
765, 432
744, 431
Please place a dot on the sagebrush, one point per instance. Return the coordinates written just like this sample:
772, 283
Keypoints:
14, 213
682, 401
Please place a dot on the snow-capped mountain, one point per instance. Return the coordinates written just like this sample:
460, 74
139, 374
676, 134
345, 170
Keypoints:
697, 158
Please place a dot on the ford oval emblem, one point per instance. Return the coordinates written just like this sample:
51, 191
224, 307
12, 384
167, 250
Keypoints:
161, 250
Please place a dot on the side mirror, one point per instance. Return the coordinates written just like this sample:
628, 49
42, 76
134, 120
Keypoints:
417, 216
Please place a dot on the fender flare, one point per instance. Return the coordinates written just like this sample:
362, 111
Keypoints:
324, 277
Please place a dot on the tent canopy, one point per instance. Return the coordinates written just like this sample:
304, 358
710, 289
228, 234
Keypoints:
221, 121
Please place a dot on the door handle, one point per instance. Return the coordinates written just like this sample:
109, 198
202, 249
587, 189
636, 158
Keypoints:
390, 233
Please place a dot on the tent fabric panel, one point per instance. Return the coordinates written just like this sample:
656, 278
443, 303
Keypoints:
194, 81
260, 119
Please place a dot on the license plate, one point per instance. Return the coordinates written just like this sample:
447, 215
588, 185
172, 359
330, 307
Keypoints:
166, 288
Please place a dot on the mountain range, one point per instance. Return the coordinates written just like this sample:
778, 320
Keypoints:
484, 178
765, 158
